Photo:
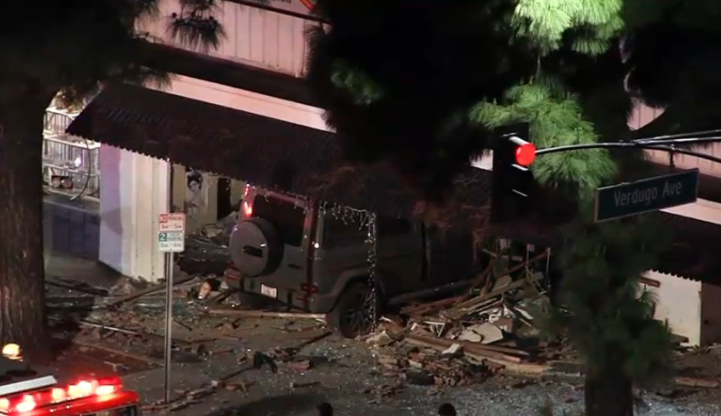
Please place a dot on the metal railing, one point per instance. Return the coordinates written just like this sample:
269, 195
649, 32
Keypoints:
69, 158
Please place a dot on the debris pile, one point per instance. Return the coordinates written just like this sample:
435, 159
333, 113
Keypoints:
206, 251
492, 328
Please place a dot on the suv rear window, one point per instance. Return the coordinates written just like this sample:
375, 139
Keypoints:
288, 218
339, 232
344, 232
389, 226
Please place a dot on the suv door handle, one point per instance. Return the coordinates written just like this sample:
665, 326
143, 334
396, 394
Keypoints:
294, 266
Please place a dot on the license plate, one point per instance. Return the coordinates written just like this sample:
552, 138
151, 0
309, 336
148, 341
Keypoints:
271, 292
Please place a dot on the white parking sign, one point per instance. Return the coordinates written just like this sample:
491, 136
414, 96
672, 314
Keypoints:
171, 232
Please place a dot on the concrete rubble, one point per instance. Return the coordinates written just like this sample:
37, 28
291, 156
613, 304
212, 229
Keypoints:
206, 251
485, 333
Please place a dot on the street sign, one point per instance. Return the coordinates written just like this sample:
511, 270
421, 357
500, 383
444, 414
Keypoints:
171, 233
646, 195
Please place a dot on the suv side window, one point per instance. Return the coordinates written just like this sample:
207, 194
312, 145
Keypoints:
389, 226
288, 219
341, 232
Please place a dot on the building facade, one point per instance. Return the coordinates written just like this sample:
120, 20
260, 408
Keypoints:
137, 186
250, 118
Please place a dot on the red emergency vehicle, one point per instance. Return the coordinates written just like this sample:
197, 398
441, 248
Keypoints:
28, 391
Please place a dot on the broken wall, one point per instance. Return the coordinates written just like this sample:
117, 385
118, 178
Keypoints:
678, 302
199, 201
135, 193
710, 314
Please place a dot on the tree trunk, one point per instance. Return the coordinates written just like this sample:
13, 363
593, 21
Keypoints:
608, 394
22, 268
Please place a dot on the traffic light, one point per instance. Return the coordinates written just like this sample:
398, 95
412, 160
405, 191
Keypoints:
512, 179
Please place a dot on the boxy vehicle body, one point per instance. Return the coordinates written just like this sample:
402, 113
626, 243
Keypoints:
315, 258
25, 391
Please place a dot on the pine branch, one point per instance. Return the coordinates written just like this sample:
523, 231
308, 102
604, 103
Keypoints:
360, 85
195, 25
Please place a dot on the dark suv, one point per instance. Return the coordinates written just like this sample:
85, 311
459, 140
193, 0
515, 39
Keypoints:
315, 258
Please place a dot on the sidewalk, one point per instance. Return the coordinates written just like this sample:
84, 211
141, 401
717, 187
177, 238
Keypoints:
71, 227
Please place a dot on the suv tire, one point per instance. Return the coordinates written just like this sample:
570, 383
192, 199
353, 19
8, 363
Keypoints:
352, 315
250, 301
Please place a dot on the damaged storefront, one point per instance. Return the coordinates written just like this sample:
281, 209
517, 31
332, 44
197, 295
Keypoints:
306, 168
222, 131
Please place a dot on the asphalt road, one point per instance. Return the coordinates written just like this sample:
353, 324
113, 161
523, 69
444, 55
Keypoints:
344, 376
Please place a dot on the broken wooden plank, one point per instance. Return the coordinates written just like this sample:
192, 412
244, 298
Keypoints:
511, 365
468, 347
117, 352
148, 291
266, 314
502, 349
696, 382
426, 308
497, 292
77, 286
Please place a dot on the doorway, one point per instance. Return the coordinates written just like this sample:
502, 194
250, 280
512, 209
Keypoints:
224, 204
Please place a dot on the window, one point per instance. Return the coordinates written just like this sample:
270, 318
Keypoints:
343, 232
389, 226
288, 219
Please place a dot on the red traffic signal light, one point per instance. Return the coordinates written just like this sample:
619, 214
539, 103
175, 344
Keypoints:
512, 179
525, 154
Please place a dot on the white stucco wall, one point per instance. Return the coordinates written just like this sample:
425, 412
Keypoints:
135, 187
134, 192
679, 303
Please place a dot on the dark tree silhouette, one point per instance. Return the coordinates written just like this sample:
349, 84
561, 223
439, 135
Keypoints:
66, 49
421, 84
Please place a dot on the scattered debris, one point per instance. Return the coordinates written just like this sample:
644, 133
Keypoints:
117, 352
76, 286
206, 251
294, 385
123, 287
148, 291
209, 286
696, 382
491, 329
264, 314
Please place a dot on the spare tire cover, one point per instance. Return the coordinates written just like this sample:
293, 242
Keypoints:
255, 247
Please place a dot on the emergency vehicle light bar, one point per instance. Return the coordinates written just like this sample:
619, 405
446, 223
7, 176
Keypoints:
24, 403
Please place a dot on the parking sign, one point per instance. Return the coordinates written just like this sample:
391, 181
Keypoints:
171, 232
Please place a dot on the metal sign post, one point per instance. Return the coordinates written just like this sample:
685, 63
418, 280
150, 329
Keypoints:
171, 240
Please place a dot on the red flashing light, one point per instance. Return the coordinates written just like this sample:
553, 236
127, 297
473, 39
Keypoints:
525, 154
27, 403
247, 209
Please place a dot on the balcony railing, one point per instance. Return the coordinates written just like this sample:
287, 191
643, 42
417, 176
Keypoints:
70, 163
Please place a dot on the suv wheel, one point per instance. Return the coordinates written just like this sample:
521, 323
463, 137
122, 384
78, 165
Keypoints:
353, 313
250, 300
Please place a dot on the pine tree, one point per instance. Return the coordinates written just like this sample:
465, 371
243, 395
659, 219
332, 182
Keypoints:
571, 91
673, 48
602, 310
64, 48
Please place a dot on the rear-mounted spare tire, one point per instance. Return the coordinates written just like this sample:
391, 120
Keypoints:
255, 247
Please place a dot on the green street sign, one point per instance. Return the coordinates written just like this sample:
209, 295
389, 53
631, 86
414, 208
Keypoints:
652, 194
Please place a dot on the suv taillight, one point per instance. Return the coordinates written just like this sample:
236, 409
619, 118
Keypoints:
27, 402
247, 209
